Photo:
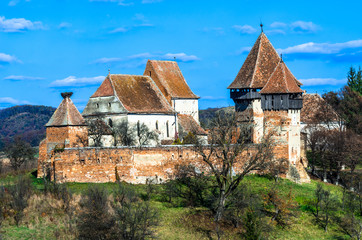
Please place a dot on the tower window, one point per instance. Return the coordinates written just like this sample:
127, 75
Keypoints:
110, 122
109, 104
97, 105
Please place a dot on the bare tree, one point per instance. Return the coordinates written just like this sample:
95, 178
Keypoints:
145, 135
124, 134
96, 130
19, 152
228, 149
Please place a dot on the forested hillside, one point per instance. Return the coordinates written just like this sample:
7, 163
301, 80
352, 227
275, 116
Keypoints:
27, 121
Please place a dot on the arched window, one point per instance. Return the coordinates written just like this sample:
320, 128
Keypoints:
138, 128
157, 124
167, 130
110, 122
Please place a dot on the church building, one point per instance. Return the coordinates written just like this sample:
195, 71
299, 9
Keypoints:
158, 99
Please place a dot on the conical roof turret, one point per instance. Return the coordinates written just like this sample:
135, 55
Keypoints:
258, 66
66, 114
281, 81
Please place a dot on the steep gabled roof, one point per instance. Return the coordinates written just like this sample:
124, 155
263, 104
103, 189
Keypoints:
139, 94
258, 66
189, 124
281, 81
66, 114
169, 79
105, 90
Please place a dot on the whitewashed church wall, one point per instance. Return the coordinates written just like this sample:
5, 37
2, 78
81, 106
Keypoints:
162, 121
187, 106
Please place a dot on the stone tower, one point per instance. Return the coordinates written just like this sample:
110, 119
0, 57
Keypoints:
267, 95
252, 77
281, 102
66, 128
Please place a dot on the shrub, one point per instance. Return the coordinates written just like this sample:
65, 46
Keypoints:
95, 221
135, 221
279, 207
20, 193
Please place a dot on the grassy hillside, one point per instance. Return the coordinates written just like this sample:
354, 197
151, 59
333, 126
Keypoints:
44, 218
27, 121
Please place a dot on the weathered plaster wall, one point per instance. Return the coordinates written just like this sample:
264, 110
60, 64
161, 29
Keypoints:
187, 106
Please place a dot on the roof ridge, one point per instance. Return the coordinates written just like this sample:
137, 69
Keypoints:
270, 76
257, 59
284, 76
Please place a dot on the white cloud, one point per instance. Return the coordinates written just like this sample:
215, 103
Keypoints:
322, 81
73, 81
304, 27
12, 101
108, 60
294, 27
322, 48
120, 2
13, 3
275, 31
278, 25
64, 25
181, 56
21, 78
151, 1
245, 29
5, 58
141, 58
120, 30
18, 25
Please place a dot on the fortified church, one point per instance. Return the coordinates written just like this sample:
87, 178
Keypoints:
265, 93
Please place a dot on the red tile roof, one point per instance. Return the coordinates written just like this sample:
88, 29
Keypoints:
281, 81
258, 66
66, 114
316, 110
189, 124
139, 94
169, 79
105, 90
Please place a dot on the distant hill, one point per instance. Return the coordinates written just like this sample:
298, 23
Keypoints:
27, 121
206, 115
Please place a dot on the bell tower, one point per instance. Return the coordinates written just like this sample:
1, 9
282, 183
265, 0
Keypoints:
253, 75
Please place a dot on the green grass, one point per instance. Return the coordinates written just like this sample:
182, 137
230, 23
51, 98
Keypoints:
174, 221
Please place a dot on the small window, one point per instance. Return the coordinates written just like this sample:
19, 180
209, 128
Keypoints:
97, 105
110, 122
157, 125
109, 104
138, 128
167, 130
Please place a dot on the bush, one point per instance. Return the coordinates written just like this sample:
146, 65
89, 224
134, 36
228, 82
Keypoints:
135, 221
134, 218
95, 220
279, 207
190, 185
20, 193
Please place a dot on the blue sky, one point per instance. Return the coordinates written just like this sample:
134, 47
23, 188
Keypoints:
51, 46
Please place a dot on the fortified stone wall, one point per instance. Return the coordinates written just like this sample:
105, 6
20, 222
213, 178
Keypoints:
132, 164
